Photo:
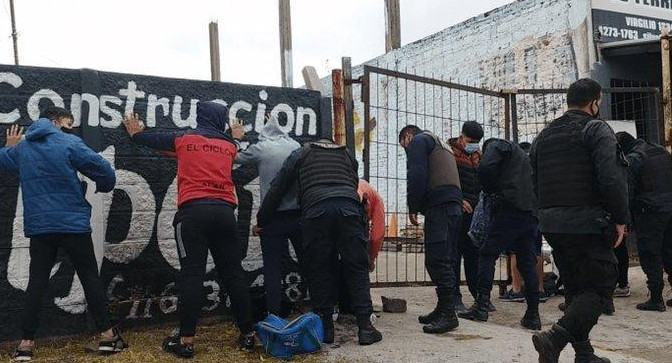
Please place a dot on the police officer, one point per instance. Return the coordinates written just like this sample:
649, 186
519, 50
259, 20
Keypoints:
333, 225
505, 173
580, 181
434, 190
650, 171
468, 156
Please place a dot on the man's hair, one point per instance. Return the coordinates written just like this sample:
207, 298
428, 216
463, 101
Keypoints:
526, 146
410, 129
56, 113
472, 130
583, 92
624, 139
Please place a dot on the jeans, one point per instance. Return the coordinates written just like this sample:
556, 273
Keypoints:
199, 228
469, 253
513, 230
331, 228
588, 268
654, 242
79, 249
275, 252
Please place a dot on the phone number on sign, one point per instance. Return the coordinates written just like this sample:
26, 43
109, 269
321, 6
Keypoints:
613, 32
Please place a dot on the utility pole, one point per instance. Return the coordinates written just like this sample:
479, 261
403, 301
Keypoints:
286, 44
215, 69
392, 25
14, 34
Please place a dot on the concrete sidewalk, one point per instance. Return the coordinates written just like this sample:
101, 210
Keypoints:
629, 336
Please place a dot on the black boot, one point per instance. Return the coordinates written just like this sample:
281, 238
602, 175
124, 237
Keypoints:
609, 308
669, 303
478, 311
550, 343
367, 334
562, 306
429, 318
446, 319
328, 326
531, 320
586, 354
653, 304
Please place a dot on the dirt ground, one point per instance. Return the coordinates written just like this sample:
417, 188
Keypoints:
629, 336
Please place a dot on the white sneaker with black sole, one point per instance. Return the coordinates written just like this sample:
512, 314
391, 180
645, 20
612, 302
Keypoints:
22, 355
115, 345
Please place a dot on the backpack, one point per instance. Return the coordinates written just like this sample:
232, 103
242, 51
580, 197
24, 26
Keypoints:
284, 340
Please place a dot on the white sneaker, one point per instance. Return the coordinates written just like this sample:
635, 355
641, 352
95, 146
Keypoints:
622, 291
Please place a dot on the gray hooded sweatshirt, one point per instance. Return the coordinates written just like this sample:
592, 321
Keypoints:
269, 154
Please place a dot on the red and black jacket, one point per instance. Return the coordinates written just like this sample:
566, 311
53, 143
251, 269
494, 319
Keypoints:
467, 167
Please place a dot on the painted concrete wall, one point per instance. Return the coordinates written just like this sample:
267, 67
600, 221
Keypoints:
526, 44
132, 226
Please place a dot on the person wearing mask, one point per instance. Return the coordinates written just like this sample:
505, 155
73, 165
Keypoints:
650, 176
268, 154
579, 176
505, 173
433, 189
205, 219
333, 223
58, 217
468, 156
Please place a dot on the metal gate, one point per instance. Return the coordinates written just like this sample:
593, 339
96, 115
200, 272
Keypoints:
393, 99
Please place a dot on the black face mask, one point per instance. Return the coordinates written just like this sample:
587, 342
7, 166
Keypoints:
68, 131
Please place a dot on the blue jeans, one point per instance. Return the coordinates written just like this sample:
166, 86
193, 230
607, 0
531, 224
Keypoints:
513, 230
275, 252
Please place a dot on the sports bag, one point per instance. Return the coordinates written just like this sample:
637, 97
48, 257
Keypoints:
284, 340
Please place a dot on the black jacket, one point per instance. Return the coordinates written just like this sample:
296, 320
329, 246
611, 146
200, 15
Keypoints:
289, 176
610, 183
505, 169
645, 197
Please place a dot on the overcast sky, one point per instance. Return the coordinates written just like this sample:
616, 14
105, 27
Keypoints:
170, 38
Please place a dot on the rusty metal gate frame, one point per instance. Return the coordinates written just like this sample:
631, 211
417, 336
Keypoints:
365, 81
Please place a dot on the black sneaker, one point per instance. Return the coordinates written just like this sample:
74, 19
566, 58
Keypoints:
22, 355
246, 341
172, 344
115, 345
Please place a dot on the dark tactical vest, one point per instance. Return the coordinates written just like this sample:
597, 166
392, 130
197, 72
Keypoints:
565, 171
656, 173
442, 166
326, 165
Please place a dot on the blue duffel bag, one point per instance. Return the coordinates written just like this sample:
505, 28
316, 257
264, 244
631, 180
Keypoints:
284, 340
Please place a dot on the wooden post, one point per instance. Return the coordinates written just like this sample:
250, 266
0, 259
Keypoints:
339, 108
215, 70
392, 25
311, 79
286, 44
667, 88
349, 104
14, 33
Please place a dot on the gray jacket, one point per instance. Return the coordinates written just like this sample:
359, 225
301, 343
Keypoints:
269, 154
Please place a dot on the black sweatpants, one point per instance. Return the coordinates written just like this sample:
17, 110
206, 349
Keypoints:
284, 226
442, 226
516, 231
654, 242
213, 227
588, 268
330, 228
79, 249
469, 253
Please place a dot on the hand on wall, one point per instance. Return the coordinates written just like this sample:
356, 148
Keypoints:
14, 135
133, 124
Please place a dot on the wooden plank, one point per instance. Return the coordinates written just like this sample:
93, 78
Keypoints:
215, 70
286, 44
392, 25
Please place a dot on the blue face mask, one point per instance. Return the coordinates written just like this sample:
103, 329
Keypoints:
471, 148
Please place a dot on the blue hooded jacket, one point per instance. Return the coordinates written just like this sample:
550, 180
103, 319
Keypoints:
47, 162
